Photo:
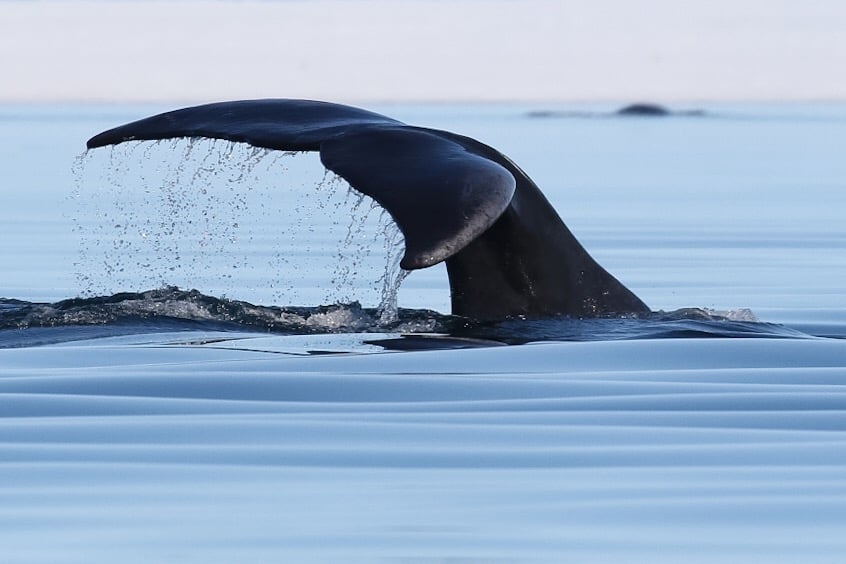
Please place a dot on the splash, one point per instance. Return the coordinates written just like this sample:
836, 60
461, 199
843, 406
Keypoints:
173, 309
393, 275
270, 226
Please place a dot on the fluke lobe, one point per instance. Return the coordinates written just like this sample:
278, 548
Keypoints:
455, 199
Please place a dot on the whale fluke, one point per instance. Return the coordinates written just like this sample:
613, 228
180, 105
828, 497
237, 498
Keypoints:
455, 199
441, 207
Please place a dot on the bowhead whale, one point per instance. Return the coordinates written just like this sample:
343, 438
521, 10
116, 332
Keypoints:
507, 251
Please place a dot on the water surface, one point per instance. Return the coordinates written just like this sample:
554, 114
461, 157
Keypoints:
196, 364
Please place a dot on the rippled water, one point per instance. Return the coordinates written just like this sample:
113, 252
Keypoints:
275, 413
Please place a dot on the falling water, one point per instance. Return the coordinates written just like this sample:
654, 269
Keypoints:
231, 219
393, 275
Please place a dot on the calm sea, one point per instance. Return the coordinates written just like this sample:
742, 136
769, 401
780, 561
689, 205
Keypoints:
268, 415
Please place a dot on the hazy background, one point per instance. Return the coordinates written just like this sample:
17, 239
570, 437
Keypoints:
423, 50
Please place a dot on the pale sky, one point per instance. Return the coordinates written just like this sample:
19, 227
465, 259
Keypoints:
423, 50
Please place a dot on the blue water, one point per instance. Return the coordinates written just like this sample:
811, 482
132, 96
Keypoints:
253, 419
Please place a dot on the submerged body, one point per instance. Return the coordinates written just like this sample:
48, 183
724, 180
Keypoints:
507, 251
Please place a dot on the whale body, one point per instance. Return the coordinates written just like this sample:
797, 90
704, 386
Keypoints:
455, 199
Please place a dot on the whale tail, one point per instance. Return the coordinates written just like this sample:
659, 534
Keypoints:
455, 199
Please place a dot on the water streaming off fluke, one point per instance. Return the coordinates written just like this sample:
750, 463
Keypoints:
272, 226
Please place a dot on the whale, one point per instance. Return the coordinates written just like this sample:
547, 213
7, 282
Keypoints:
456, 200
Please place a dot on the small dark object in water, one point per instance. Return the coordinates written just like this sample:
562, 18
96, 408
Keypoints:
545, 114
634, 110
651, 110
